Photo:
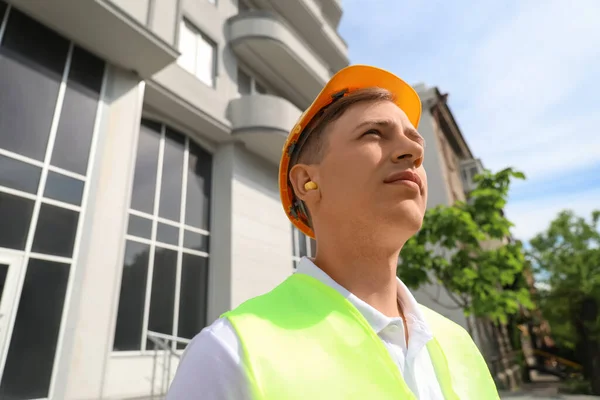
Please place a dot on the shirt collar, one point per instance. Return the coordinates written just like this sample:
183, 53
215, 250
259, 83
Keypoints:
377, 320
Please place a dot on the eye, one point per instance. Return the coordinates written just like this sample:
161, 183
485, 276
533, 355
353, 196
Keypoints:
375, 132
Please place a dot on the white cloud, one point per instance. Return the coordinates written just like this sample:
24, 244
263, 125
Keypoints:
534, 216
523, 78
524, 108
518, 72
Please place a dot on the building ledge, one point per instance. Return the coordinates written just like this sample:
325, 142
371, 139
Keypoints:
109, 32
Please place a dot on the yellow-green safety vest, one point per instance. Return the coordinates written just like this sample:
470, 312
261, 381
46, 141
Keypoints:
304, 340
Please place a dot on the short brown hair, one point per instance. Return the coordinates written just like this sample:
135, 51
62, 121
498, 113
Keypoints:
313, 148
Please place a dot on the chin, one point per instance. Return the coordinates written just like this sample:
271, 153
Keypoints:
407, 217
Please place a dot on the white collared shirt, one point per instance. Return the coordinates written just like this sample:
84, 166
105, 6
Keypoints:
212, 369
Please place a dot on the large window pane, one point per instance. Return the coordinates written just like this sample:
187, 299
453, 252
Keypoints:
76, 125
205, 60
32, 59
144, 181
55, 231
35, 42
199, 182
187, 47
63, 188
172, 176
19, 175
30, 357
15, 214
193, 294
130, 318
162, 300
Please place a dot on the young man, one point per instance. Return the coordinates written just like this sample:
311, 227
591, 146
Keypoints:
343, 326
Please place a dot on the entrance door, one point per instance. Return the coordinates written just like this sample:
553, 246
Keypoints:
10, 274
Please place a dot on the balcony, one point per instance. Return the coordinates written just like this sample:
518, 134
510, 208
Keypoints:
104, 29
271, 48
317, 24
262, 122
332, 9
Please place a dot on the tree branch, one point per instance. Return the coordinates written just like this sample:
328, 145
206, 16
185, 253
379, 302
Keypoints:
454, 299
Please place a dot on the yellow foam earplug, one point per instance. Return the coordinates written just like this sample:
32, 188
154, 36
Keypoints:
310, 185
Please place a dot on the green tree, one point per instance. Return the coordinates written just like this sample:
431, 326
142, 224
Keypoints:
567, 261
467, 249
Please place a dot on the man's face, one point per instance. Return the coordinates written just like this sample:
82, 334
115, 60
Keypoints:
367, 174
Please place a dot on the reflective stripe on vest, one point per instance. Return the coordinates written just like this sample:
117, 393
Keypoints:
304, 340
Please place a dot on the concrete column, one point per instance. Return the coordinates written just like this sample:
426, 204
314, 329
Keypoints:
92, 315
219, 275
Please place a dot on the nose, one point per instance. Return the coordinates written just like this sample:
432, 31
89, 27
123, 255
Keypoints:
407, 150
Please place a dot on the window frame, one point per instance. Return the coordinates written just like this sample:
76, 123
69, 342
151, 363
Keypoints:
199, 35
155, 219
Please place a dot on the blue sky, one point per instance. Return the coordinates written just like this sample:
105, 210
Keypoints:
523, 78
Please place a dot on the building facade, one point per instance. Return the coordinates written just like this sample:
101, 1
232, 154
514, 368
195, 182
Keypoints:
451, 167
139, 143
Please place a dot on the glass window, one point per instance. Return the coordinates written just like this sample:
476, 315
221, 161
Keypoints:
3, 7
164, 258
146, 165
187, 47
33, 62
195, 241
78, 115
172, 176
259, 88
32, 59
130, 320
243, 6
19, 175
193, 296
55, 231
199, 182
162, 298
138, 226
244, 82
35, 333
302, 246
168, 234
15, 214
198, 53
63, 188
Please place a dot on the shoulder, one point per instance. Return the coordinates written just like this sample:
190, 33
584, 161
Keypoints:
211, 366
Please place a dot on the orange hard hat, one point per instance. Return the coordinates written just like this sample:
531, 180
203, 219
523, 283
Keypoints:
345, 81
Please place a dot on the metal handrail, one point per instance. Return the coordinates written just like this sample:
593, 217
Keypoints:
168, 345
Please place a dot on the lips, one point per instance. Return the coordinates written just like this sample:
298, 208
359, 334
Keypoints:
405, 176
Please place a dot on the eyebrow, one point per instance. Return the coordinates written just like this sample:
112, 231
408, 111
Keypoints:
410, 132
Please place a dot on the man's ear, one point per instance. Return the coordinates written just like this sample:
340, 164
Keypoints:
300, 175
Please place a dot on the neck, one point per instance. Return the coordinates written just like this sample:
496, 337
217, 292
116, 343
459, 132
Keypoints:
366, 271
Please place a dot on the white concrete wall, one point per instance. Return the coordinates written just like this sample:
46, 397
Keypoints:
261, 233
93, 305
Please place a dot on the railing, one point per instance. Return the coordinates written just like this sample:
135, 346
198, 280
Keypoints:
165, 348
